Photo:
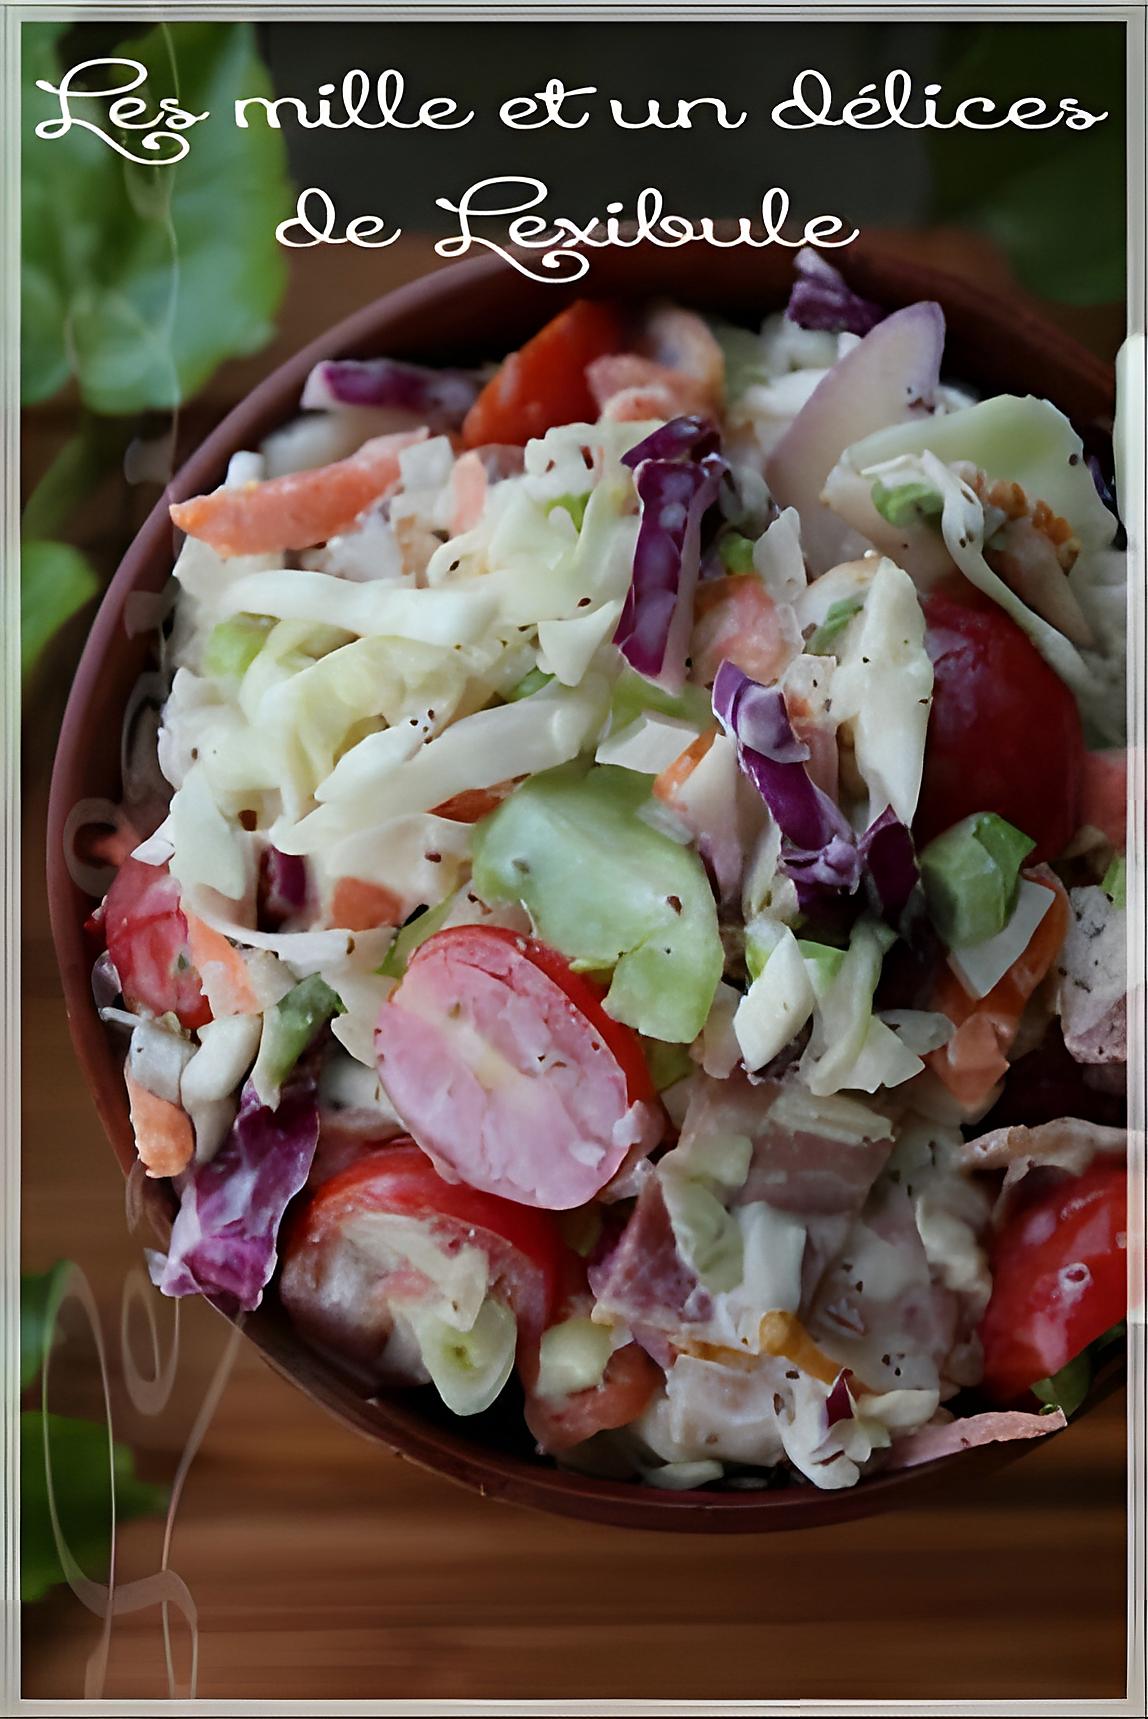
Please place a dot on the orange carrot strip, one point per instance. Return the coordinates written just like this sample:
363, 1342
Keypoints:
222, 970
298, 510
357, 905
667, 784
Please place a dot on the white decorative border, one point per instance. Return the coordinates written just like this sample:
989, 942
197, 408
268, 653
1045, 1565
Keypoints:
1134, 407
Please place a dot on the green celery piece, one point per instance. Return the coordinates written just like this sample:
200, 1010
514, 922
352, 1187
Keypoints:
79, 1458
288, 1029
667, 1063
575, 506
826, 956
1067, 1389
408, 938
907, 503
633, 695
232, 646
528, 685
970, 876
736, 553
1115, 882
837, 618
609, 891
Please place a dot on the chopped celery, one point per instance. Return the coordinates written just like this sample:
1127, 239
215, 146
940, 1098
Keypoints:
906, 503
970, 876
1115, 882
573, 1357
575, 506
530, 683
288, 1029
469, 1368
233, 645
409, 936
736, 553
667, 1063
633, 694
1067, 1389
608, 891
821, 641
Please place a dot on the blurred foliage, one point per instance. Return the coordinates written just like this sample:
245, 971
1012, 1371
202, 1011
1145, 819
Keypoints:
85, 1464
137, 282
1053, 200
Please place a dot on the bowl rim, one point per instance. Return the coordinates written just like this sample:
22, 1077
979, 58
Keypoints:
392, 1422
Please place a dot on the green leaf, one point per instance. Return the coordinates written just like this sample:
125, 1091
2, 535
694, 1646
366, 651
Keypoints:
36, 1291
139, 279
80, 1482
56, 581
1067, 1389
736, 552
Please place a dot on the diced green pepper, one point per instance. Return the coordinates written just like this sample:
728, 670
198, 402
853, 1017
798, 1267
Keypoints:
736, 552
609, 891
907, 503
288, 1029
233, 645
838, 616
575, 506
408, 937
970, 876
1115, 882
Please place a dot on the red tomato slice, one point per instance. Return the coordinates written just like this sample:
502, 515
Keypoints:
1004, 731
630, 1381
545, 383
146, 936
342, 1299
509, 1073
1059, 1269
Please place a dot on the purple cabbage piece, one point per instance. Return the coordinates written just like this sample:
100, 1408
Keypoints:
818, 847
690, 437
223, 1241
839, 1403
440, 398
890, 858
654, 629
282, 890
820, 299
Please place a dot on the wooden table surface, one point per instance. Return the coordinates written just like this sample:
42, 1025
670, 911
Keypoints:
322, 1567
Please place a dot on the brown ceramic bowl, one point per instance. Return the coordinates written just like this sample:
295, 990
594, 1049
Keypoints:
470, 312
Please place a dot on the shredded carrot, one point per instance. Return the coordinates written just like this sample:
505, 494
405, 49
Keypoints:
472, 804
975, 1058
165, 1139
299, 509
357, 905
669, 782
222, 970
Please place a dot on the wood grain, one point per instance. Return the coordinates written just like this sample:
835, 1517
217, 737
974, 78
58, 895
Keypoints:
322, 1568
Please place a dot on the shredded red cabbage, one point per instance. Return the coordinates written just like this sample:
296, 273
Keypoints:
440, 398
818, 847
891, 861
678, 473
223, 1241
819, 298
282, 888
839, 1403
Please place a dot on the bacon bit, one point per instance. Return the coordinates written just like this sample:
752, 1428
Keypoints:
222, 970
468, 493
473, 803
165, 1140
357, 905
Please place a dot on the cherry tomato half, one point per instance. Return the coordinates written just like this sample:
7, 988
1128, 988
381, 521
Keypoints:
1004, 732
1059, 1279
146, 935
630, 1380
545, 382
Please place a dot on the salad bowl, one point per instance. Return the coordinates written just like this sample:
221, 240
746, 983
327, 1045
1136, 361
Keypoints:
466, 314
